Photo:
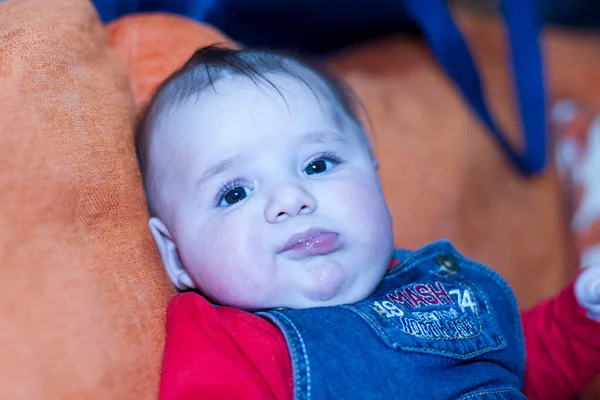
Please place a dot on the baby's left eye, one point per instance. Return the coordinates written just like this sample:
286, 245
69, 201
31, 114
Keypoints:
319, 166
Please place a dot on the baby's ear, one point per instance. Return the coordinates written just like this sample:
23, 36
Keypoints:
169, 255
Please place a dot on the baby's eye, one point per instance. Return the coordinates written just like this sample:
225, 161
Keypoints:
229, 196
322, 164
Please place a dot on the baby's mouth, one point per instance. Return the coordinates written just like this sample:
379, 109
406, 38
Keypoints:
310, 243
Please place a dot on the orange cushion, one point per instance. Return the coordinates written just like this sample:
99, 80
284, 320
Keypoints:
155, 45
82, 291
442, 175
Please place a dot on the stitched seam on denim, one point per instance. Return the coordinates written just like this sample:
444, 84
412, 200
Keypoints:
308, 386
468, 263
462, 355
417, 255
457, 355
491, 273
479, 319
421, 349
444, 247
369, 320
480, 325
503, 284
281, 322
489, 313
434, 249
485, 392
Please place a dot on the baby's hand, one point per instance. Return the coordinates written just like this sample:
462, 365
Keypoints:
587, 291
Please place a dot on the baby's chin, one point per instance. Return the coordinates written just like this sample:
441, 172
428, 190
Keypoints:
327, 281
320, 282
328, 284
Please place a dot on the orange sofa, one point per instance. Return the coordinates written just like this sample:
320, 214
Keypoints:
82, 290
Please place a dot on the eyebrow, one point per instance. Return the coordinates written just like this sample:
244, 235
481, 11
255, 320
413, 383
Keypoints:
224, 165
218, 169
323, 137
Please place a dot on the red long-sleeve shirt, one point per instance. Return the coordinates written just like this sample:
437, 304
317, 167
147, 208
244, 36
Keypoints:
225, 353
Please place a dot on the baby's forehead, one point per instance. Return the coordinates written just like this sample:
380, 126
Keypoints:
271, 97
283, 102
305, 88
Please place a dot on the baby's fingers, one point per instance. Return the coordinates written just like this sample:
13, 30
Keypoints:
587, 291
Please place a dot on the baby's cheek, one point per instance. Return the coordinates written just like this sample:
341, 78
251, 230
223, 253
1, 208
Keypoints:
364, 200
238, 266
206, 260
221, 283
367, 215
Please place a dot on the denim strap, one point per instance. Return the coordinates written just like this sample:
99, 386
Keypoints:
435, 21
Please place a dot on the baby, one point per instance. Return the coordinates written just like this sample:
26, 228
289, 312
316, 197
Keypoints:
264, 197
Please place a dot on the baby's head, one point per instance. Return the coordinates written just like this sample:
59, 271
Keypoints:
261, 183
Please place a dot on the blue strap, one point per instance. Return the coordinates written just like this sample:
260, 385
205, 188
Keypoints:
449, 47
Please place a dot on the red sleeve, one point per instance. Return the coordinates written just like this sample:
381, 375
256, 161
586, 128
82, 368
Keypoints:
222, 353
562, 346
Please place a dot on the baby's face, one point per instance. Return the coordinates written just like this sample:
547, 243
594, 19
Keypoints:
273, 201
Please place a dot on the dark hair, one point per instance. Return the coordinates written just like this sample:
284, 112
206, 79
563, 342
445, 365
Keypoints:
209, 64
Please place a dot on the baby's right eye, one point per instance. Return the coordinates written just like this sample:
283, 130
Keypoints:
232, 193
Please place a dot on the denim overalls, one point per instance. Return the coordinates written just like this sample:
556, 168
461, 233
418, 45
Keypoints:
439, 326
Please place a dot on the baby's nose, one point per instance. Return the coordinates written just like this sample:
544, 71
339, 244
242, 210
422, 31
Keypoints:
289, 201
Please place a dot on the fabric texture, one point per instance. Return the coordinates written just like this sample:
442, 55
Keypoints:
562, 345
154, 45
82, 291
